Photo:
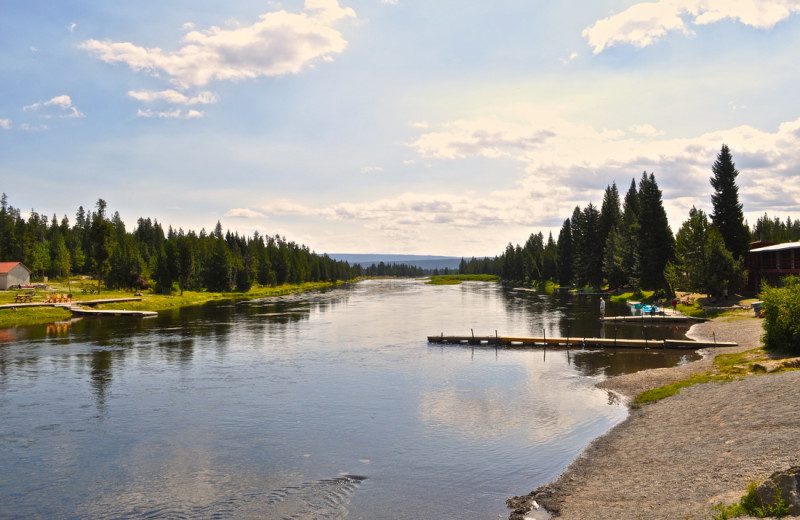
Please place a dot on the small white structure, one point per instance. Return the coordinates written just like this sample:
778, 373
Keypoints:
13, 273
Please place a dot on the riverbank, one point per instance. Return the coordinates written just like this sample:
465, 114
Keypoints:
678, 457
151, 302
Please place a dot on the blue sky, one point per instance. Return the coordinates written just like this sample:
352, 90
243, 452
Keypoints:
402, 126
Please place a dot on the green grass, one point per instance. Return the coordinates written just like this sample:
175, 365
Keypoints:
750, 505
32, 316
727, 367
631, 295
455, 279
21, 316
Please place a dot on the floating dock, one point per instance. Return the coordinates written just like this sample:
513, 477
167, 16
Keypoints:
652, 319
511, 341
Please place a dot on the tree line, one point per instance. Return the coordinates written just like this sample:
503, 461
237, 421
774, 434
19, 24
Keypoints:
628, 242
98, 245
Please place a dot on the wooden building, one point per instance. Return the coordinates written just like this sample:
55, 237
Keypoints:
13, 273
771, 263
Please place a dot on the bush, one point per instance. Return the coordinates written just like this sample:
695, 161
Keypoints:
782, 316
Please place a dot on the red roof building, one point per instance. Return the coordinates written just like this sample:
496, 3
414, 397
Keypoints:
13, 273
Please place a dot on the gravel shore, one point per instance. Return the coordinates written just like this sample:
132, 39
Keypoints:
677, 458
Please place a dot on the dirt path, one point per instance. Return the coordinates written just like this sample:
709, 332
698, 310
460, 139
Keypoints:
677, 458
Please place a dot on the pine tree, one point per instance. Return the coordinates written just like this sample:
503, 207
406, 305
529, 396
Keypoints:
629, 237
610, 213
727, 215
656, 242
565, 272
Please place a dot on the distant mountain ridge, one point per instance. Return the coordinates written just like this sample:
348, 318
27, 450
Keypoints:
423, 261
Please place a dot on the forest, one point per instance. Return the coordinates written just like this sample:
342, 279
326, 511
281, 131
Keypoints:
627, 242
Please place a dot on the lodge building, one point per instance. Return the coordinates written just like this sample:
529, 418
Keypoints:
771, 263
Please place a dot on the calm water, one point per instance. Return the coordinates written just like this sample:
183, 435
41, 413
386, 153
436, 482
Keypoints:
329, 406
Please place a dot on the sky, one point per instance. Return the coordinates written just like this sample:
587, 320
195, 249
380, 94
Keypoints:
394, 126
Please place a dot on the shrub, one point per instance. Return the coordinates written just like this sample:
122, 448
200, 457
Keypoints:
782, 316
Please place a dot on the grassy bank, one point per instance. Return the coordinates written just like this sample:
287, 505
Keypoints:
727, 367
455, 279
21, 316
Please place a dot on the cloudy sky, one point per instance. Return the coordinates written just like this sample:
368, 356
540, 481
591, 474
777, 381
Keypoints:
394, 126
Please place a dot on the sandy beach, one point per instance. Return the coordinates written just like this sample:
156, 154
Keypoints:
678, 457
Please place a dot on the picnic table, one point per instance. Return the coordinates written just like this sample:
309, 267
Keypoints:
23, 298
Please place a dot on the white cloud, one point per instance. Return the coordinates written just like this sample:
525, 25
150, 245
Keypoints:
72, 27
279, 43
371, 169
170, 114
244, 213
571, 57
647, 130
5, 124
174, 97
62, 102
644, 23
569, 164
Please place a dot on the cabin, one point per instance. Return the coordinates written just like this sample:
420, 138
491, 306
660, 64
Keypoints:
771, 263
13, 273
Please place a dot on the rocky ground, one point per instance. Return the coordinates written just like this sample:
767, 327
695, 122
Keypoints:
677, 458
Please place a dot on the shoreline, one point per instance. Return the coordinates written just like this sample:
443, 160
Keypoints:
678, 457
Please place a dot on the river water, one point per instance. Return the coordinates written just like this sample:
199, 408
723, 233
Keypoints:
329, 405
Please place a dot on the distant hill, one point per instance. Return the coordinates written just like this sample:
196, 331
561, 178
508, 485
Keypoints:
423, 261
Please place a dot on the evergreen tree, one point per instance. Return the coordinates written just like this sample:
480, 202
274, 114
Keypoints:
101, 242
550, 259
629, 231
727, 215
656, 243
690, 269
724, 271
565, 271
587, 249
614, 259
610, 213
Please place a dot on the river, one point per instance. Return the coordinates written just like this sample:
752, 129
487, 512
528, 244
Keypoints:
327, 405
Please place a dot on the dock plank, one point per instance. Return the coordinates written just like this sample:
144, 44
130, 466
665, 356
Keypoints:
577, 342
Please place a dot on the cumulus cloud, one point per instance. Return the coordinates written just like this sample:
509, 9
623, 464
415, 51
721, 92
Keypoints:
62, 102
571, 57
647, 130
645, 23
569, 164
278, 43
170, 114
244, 213
174, 97
5, 124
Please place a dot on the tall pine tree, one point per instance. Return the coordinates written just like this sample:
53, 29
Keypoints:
656, 242
727, 215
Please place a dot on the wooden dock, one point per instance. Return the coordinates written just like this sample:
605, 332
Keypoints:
65, 304
511, 341
652, 319
80, 311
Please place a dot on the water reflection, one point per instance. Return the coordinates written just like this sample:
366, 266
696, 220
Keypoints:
251, 409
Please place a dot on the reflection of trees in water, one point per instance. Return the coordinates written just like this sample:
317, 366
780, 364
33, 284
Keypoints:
100, 373
567, 315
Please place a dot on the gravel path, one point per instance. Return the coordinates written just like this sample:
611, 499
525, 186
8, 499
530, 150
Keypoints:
677, 458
